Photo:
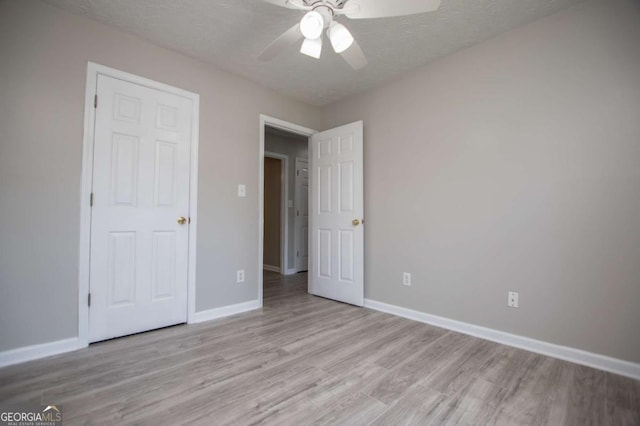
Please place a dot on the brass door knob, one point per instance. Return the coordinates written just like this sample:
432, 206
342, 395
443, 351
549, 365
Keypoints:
182, 220
355, 222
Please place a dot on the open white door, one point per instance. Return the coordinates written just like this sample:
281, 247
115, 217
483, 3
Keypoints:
139, 219
337, 211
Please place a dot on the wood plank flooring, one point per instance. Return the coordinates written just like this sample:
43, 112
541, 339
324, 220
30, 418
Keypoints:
307, 360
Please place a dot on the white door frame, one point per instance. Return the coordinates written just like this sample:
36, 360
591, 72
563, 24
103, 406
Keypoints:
265, 120
284, 210
93, 71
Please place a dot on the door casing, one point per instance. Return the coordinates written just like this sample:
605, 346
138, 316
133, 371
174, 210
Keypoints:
93, 70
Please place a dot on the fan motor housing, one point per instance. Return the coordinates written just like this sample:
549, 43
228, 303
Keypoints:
326, 12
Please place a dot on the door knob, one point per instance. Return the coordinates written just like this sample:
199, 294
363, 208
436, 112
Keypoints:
355, 222
182, 220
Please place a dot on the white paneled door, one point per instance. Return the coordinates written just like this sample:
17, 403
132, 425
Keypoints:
139, 218
302, 214
336, 218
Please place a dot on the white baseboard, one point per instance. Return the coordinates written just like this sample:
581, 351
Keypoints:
43, 350
271, 268
224, 311
578, 356
29, 353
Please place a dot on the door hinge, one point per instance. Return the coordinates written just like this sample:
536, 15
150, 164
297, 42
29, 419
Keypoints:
297, 212
91, 200
95, 101
89, 299
297, 172
298, 253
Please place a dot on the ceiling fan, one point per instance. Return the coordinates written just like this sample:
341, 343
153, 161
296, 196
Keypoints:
320, 15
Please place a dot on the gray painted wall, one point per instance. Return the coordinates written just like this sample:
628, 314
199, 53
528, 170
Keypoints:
43, 57
293, 146
514, 165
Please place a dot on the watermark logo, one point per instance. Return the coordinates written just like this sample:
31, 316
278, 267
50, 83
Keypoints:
31, 415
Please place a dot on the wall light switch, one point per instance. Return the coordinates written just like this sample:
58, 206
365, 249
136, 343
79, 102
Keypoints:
240, 276
513, 299
242, 190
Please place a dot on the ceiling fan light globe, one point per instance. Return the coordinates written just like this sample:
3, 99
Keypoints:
312, 47
312, 25
341, 38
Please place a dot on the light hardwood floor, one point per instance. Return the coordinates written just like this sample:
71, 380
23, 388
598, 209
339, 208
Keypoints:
307, 360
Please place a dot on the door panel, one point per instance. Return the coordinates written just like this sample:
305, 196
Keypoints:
345, 256
124, 173
138, 267
164, 176
337, 200
122, 268
163, 280
345, 186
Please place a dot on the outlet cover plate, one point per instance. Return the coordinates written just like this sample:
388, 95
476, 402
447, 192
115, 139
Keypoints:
406, 279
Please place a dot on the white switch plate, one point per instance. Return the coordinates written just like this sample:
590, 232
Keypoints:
406, 279
242, 190
512, 299
240, 276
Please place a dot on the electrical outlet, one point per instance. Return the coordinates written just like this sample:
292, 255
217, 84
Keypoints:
242, 190
406, 279
240, 276
512, 299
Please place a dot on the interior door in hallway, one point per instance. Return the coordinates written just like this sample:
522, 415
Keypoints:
337, 211
302, 214
139, 218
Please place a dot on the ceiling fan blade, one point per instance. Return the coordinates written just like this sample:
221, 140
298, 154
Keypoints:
367, 9
289, 4
355, 56
285, 40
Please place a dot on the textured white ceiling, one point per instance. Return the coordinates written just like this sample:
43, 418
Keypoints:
231, 34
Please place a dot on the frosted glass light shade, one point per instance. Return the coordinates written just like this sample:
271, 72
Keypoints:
312, 25
341, 38
312, 47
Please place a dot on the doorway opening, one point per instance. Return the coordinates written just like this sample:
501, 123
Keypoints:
335, 178
283, 202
